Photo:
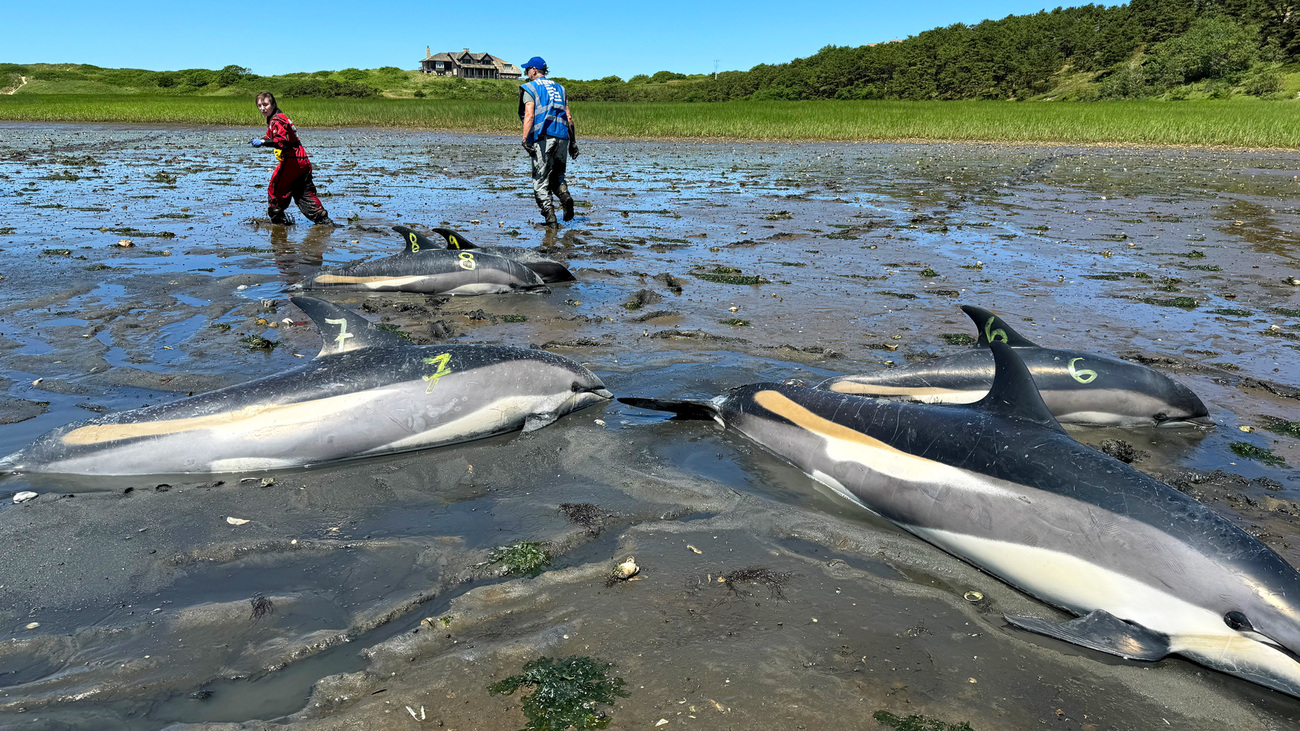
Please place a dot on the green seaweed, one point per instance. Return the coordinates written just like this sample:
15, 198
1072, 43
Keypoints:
514, 318
1205, 267
900, 295
524, 557
958, 338
1186, 303
793, 263
390, 327
728, 275
1194, 254
1285, 311
1170, 284
735, 322
1280, 426
917, 723
565, 693
1231, 312
928, 273
57, 252
1263, 454
257, 342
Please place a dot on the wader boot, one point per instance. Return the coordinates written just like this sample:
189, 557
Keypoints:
567, 201
277, 216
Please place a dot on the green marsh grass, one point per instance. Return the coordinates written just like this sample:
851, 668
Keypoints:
1243, 123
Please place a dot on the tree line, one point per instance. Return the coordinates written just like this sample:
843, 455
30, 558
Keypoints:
1147, 48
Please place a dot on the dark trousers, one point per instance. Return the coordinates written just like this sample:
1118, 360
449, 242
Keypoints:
292, 182
549, 158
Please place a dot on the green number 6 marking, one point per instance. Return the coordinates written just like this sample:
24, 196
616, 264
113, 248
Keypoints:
1082, 376
415, 243
439, 360
994, 336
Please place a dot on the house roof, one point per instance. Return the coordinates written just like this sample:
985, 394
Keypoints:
475, 61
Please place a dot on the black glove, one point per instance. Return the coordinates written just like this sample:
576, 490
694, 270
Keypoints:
573, 150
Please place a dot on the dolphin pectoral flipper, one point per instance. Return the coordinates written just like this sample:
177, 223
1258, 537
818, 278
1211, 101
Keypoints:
344, 330
682, 410
1103, 632
537, 420
993, 329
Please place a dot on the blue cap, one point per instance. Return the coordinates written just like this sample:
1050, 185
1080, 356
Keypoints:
536, 62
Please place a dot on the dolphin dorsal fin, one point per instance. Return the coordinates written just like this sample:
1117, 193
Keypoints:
454, 240
343, 330
994, 329
1013, 392
415, 241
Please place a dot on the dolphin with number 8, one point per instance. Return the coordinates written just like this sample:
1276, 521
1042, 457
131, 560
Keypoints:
430, 270
369, 392
1078, 387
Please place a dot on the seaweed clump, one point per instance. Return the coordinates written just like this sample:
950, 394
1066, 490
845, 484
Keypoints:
1263, 454
587, 515
1285, 428
524, 557
773, 580
566, 692
958, 338
257, 342
917, 723
261, 606
728, 275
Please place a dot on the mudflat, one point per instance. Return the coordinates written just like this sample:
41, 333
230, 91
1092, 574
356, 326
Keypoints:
135, 271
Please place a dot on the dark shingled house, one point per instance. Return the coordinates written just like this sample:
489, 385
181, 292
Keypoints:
468, 65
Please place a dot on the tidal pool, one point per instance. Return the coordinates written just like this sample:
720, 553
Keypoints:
129, 603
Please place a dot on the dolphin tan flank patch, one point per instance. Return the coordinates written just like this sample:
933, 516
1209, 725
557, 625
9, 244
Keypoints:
778, 404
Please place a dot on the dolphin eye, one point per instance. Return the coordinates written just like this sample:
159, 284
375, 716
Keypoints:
575, 387
1161, 416
1236, 620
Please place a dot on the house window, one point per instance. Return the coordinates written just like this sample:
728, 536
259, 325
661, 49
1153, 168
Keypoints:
437, 64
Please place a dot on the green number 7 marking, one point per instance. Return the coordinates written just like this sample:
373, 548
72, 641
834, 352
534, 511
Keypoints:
440, 361
1082, 376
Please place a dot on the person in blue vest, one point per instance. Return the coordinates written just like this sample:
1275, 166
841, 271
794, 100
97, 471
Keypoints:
549, 136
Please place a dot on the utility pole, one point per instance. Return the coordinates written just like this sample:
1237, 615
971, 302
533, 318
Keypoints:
715, 68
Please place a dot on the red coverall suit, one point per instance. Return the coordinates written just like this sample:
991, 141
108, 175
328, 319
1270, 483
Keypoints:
292, 177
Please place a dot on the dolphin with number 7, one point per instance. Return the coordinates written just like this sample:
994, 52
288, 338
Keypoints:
1149, 571
1079, 387
369, 392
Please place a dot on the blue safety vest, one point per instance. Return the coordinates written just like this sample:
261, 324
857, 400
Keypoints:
549, 103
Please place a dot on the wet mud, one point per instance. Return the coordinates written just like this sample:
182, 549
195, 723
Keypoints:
135, 271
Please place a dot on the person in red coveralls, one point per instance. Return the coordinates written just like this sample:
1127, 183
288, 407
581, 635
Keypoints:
292, 177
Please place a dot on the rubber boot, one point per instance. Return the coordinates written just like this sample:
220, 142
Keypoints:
277, 216
567, 202
550, 219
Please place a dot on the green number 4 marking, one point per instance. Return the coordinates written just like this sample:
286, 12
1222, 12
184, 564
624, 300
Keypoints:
433, 378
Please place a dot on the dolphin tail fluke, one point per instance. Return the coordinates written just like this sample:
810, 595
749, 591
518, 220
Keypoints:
344, 330
454, 240
1013, 393
415, 241
994, 329
1103, 632
680, 409
551, 272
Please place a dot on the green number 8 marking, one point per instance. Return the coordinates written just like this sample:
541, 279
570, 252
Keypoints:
440, 361
1082, 376
467, 261
415, 243
994, 336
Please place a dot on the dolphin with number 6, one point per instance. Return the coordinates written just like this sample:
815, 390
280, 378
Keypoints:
551, 271
428, 269
1078, 387
1149, 571
369, 392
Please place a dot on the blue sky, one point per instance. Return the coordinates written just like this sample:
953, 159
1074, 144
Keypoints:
578, 39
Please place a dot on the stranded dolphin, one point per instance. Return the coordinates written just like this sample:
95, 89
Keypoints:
430, 270
368, 392
998, 483
1078, 387
551, 271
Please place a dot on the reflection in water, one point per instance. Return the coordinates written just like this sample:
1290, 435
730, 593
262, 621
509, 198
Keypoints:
295, 261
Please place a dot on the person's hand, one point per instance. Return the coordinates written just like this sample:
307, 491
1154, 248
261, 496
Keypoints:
527, 147
573, 150
257, 142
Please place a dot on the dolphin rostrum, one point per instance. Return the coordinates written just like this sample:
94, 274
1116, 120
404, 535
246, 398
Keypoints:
429, 269
369, 392
998, 483
551, 271
1078, 387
